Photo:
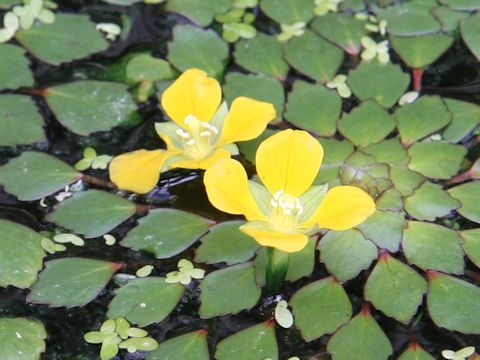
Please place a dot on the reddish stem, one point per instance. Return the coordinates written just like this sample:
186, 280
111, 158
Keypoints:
365, 310
467, 175
143, 209
202, 332
417, 75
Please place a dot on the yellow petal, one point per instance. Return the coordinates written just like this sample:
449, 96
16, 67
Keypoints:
288, 242
138, 171
201, 163
289, 161
343, 208
227, 189
246, 120
193, 93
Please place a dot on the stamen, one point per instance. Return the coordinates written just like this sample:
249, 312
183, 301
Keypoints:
182, 133
190, 142
205, 134
190, 120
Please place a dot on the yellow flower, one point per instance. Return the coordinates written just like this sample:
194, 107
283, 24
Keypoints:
284, 211
202, 132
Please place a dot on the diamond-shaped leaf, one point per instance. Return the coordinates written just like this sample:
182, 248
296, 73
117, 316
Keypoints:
192, 346
22, 338
15, 71
288, 11
471, 244
385, 229
471, 33
200, 12
436, 160
465, 117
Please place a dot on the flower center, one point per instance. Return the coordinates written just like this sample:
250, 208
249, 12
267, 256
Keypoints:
197, 138
286, 210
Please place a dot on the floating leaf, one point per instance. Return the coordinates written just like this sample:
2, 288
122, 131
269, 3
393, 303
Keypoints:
166, 232
288, 11
261, 341
410, 19
228, 290
226, 243
7, 4
145, 301
71, 281
390, 200
421, 118
430, 201
471, 34
420, 51
320, 308
346, 253
450, 19
303, 110
343, 30
283, 316
366, 124
19, 120
301, 263
471, 245
21, 257
464, 5
385, 229
335, 154
465, 117
15, 71
92, 213
145, 67
431, 246
453, 303
192, 346
34, 175
383, 83
395, 288
313, 56
262, 54
70, 37
405, 181
259, 87
469, 196
436, 160
109, 105
415, 352
200, 12
388, 151
22, 338
361, 336
197, 48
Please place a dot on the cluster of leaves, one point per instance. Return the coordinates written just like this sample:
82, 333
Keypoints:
412, 251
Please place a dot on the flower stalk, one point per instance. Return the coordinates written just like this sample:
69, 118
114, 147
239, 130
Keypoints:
276, 270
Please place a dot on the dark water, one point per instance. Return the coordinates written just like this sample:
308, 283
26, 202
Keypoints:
151, 30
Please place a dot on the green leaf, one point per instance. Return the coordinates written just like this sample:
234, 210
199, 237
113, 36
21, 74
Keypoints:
70, 37
465, 117
166, 232
390, 200
383, 83
92, 213
395, 288
450, 19
22, 338
15, 71
436, 160
288, 11
405, 181
7, 4
388, 151
361, 336
313, 56
303, 110
254, 343
197, 48
410, 19
21, 257
346, 253
453, 303
145, 301
301, 263
258, 87
34, 175
109, 105
385, 229
200, 12
71, 281
343, 30
192, 346
471, 244
262, 54
145, 67
464, 5
430, 201
229, 290
335, 154
366, 124
469, 196
415, 352
471, 34
431, 246
320, 308
421, 118
226, 243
